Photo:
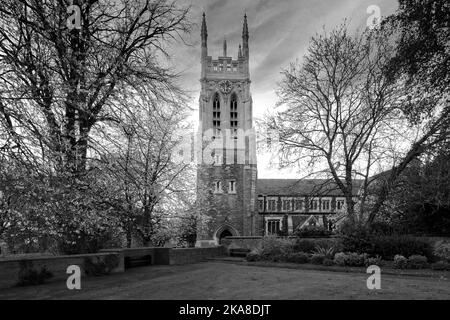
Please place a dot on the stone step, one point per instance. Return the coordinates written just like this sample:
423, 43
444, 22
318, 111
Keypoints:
240, 250
227, 259
240, 255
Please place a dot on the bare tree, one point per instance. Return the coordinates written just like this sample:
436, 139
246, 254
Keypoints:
338, 112
57, 82
139, 159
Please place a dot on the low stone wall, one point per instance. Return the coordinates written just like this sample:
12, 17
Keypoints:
159, 255
194, 255
255, 242
172, 256
169, 256
242, 242
11, 267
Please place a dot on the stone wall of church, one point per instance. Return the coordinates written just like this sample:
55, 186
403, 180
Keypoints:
235, 210
223, 208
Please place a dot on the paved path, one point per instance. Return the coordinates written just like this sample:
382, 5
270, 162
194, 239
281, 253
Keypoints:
216, 280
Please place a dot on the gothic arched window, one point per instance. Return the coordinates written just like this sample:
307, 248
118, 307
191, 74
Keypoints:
216, 115
234, 114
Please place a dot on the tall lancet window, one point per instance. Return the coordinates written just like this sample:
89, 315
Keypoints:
234, 115
216, 115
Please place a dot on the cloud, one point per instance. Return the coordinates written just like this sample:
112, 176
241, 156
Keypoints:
280, 31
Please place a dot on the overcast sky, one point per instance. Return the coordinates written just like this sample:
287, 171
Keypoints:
279, 33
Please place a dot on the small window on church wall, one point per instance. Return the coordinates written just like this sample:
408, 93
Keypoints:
272, 205
299, 205
286, 205
232, 186
273, 227
218, 187
326, 205
340, 204
314, 205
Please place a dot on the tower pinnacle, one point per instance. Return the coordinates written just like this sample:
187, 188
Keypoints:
204, 29
245, 38
204, 36
245, 29
224, 46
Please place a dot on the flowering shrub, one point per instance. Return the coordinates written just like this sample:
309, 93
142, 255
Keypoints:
417, 262
328, 262
57, 214
441, 266
272, 249
275, 248
351, 259
354, 259
361, 240
339, 259
442, 250
298, 257
400, 262
312, 231
253, 256
317, 258
304, 245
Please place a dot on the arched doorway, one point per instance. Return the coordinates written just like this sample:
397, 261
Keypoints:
225, 230
225, 233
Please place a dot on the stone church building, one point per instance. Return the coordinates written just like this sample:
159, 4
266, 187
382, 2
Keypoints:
231, 198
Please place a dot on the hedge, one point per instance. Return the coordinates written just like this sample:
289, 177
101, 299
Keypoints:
387, 246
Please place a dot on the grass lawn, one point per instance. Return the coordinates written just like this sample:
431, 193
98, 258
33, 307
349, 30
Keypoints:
219, 280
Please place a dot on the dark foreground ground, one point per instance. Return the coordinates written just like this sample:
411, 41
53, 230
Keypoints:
219, 280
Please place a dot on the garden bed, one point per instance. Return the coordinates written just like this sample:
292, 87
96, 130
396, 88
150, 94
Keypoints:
419, 257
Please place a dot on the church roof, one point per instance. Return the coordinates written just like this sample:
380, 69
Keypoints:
302, 187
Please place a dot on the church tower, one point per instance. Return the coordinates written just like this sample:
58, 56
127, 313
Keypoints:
226, 171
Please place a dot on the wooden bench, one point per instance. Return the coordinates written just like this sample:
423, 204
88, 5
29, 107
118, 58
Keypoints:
132, 261
238, 252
